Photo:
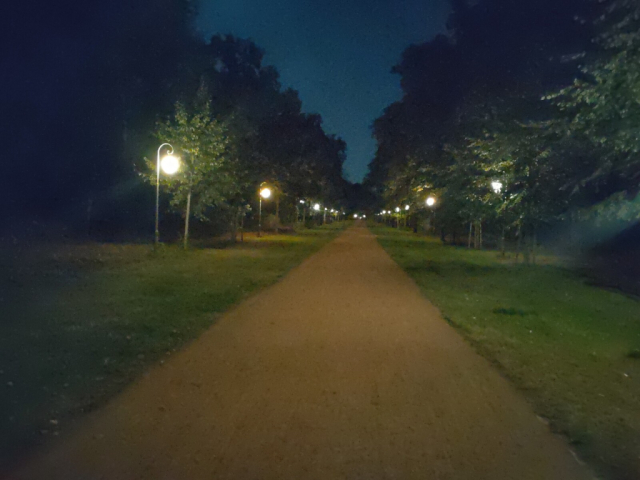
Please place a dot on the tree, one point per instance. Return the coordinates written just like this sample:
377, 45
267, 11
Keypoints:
601, 106
206, 177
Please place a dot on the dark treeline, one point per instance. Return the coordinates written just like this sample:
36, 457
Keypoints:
83, 88
538, 98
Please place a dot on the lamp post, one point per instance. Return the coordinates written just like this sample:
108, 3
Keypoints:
304, 212
169, 165
264, 193
431, 203
496, 185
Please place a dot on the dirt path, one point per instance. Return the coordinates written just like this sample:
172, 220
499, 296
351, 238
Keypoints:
340, 371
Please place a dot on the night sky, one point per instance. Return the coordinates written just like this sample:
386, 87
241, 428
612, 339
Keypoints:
338, 54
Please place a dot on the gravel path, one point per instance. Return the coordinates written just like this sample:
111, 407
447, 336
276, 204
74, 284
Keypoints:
340, 371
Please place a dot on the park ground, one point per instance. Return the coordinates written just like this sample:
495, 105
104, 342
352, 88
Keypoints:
79, 322
572, 349
82, 322
341, 370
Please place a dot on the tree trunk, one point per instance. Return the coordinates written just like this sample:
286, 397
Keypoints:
242, 225
502, 248
277, 212
234, 228
527, 246
534, 241
476, 235
186, 221
470, 231
519, 245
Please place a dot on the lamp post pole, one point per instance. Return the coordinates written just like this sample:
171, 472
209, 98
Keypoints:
262, 193
260, 218
157, 232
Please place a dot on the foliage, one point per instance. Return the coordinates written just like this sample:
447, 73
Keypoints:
477, 108
206, 171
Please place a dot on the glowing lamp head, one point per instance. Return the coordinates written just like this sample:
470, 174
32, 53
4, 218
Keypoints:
265, 193
355, 215
397, 209
302, 202
497, 186
407, 207
316, 207
170, 164
431, 201
364, 216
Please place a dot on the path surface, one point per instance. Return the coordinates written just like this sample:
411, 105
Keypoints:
340, 371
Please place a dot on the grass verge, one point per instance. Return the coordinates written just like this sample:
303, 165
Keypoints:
570, 347
79, 322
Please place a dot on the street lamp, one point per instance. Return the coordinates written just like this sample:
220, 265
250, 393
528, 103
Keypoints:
431, 202
264, 193
169, 165
496, 185
316, 207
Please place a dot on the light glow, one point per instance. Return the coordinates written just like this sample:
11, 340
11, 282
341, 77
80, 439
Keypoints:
407, 207
497, 186
170, 164
316, 207
265, 193
431, 201
397, 209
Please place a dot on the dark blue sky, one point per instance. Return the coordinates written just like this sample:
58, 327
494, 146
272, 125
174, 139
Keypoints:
338, 54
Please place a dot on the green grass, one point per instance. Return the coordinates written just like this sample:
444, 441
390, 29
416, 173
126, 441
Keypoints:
79, 322
570, 347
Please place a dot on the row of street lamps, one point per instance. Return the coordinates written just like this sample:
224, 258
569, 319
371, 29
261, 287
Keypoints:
496, 186
170, 164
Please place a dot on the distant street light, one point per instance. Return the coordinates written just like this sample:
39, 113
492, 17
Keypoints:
431, 201
264, 193
497, 186
407, 207
397, 209
316, 207
170, 165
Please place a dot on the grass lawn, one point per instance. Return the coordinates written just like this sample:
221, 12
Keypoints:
79, 322
573, 349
